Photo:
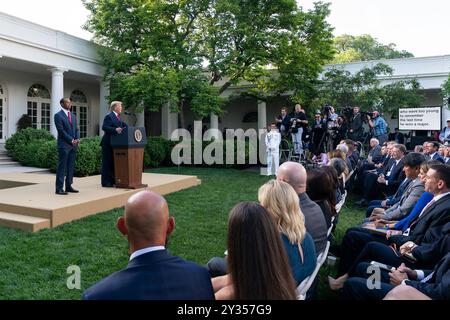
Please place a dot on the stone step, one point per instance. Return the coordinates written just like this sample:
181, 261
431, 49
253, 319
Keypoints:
26, 223
8, 163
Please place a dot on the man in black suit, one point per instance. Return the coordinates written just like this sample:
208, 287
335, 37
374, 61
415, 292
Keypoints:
112, 125
433, 283
295, 174
283, 122
152, 272
355, 129
68, 139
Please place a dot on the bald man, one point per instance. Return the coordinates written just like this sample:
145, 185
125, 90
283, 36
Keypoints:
295, 174
152, 273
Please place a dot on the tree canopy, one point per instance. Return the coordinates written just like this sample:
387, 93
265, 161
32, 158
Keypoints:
341, 88
362, 48
188, 52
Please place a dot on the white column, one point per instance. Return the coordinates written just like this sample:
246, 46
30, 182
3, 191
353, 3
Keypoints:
140, 119
57, 95
214, 124
169, 121
103, 105
262, 115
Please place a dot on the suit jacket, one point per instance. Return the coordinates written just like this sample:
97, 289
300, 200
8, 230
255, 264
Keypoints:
110, 124
438, 157
356, 123
314, 221
396, 177
407, 201
375, 154
155, 275
390, 201
428, 227
66, 131
438, 287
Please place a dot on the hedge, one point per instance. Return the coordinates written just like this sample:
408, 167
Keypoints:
37, 148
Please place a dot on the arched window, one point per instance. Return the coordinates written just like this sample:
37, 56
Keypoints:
81, 109
38, 106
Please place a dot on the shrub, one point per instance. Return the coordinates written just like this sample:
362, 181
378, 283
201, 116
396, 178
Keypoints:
16, 145
89, 157
157, 152
47, 155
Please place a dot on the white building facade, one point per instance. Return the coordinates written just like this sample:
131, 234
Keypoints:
39, 66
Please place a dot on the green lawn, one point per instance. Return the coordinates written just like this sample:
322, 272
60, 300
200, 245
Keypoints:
33, 265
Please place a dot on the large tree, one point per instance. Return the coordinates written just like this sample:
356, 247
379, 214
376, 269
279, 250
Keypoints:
362, 48
188, 52
364, 88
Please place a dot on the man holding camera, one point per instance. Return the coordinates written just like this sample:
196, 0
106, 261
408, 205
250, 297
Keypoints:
355, 130
379, 126
298, 122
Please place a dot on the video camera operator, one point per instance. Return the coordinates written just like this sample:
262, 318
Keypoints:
355, 129
379, 126
298, 123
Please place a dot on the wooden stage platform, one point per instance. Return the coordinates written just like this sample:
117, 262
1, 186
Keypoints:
28, 200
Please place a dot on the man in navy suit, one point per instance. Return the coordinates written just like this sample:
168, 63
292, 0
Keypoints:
152, 272
68, 139
432, 148
112, 125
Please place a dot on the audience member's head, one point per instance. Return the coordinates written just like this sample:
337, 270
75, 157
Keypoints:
294, 174
321, 187
257, 260
343, 148
431, 147
281, 201
398, 151
374, 142
338, 153
438, 179
340, 166
146, 221
384, 150
418, 148
411, 164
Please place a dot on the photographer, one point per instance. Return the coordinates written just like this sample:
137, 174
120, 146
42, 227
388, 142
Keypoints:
355, 131
379, 126
298, 122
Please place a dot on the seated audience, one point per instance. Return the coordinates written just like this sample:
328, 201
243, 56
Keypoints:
295, 174
152, 273
281, 201
257, 261
322, 190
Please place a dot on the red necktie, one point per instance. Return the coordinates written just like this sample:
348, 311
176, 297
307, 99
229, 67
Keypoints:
70, 117
118, 117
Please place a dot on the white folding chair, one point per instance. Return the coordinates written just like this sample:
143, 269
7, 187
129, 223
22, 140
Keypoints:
304, 286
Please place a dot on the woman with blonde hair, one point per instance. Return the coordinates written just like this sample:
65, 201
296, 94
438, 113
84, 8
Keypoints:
281, 201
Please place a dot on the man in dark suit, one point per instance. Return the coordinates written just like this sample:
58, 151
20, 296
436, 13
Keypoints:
295, 174
432, 148
152, 272
112, 125
283, 122
355, 129
68, 139
433, 283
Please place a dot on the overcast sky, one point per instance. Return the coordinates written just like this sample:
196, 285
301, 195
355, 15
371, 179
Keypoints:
418, 26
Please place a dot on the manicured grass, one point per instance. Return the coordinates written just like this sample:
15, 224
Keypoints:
33, 265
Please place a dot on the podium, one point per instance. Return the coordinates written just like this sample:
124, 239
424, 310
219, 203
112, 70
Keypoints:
128, 149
